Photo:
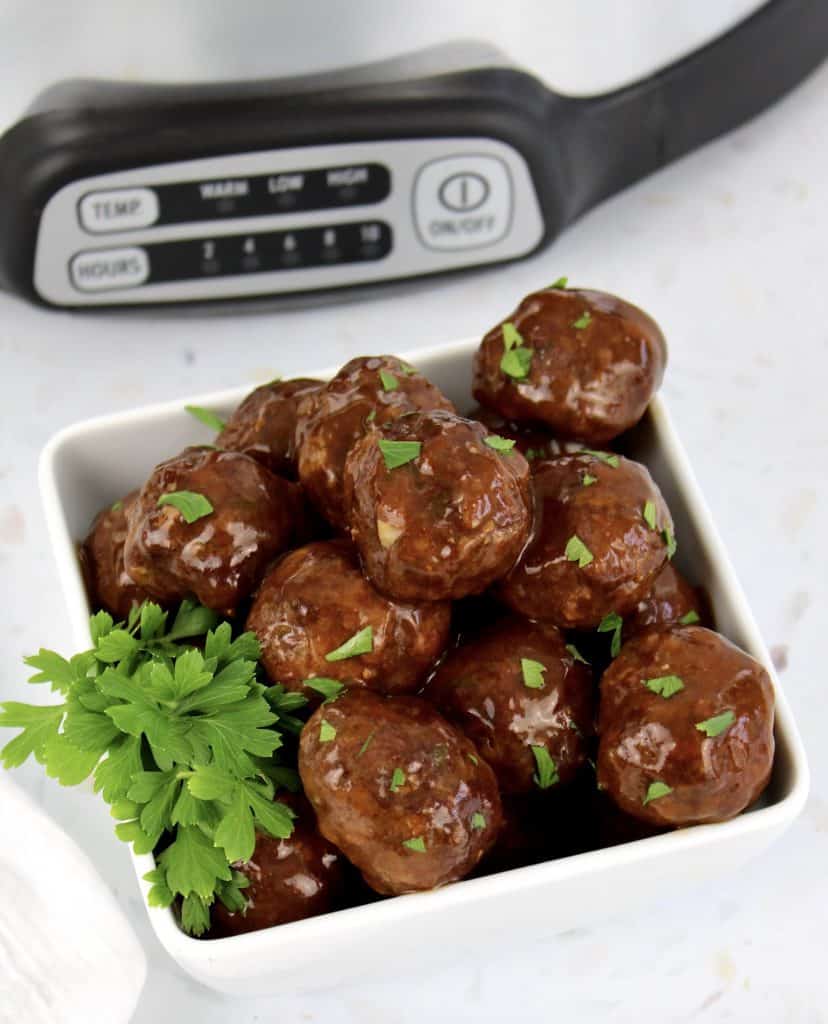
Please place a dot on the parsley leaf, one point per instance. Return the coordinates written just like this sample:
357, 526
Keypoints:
583, 321
670, 541
649, 514
329, 688
664, 686
500, 444
612, 623
192, 505
116, 506
478, 821
474, 759
516, 362
369, 739
689, 618
389, 381
587, 480
327, 732
608, 458
532, 672
512, 338
547, 770
716, 725
205, 416
397, 780
361, 642
655, 791
577, 551
560, 283
417, 844
398, 453
576, 654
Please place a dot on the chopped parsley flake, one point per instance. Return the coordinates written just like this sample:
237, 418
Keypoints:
655, 791
116, 506
547, 773
577, 551
669, 540
397, 780
329, 688
366, 743
587, 480
649, 514
576, 654
516, 362
407, 368
689, 618
372, 415
609, 458
560, 283
664, 686
512, 338
192, 505
398, 453
389, 381
474, 759
417, 844
532, 673
500, 444
360, 643
612, 623
478, 821
716, 725
205, 416
583, 321
327, 733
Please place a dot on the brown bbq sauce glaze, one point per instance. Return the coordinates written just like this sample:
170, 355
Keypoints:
646, 738
445, 524
316, 598
481, 688
603, 506
289, 879
446, 807
354, 402
101, 554
534, 441
219, 558
589, 382
264, 424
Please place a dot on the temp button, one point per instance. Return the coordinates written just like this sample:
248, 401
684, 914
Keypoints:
463, 202
118, 209
104, 269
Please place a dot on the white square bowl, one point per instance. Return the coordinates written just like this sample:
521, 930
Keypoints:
87, 466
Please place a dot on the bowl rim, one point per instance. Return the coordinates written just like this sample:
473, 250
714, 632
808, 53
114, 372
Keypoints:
340, 923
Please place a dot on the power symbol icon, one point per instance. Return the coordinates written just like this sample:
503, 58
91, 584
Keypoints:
463, 192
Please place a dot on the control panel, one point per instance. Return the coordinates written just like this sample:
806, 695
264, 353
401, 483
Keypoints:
288, 220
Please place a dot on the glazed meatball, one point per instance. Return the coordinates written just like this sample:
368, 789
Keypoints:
220, 556
316, 598
445, 522
600, 538
264, 425
583, 362
366, 393
290, 879
532, 440
108, 584
685, 727
402, 793
518, 693
670, 601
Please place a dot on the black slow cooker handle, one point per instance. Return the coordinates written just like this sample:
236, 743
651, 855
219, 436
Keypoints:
617, 138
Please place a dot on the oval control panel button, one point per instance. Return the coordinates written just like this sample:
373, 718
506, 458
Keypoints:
118, 209
103, 269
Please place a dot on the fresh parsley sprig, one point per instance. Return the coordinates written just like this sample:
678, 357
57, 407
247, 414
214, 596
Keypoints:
179, 740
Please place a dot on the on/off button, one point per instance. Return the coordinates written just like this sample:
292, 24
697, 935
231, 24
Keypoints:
463, 202
118, 209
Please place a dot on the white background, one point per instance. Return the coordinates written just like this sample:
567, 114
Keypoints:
727, 250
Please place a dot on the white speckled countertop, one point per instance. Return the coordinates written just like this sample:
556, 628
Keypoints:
728, 251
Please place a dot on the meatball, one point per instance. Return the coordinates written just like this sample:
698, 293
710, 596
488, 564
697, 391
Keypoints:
402, 793
108, 584
444, 521
241, 516
532, 440
264, 425
290, 879
685, 728
366, 393
519, 695
601, 537
670, 601
316, 598
583, 362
